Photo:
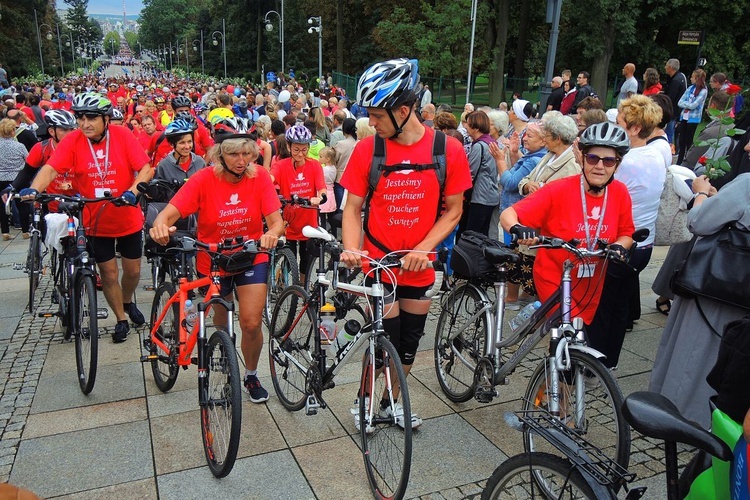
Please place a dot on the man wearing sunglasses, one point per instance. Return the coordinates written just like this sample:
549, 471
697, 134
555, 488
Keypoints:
105, 161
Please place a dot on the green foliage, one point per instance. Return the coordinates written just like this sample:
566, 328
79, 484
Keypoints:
132, 40
112, 43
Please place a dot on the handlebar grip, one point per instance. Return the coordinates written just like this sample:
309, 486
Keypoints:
435, 289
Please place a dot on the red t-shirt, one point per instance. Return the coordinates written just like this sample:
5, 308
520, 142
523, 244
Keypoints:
557, 210
306, 182
404, 207
145, 140
63, 183
126, 158
226, 210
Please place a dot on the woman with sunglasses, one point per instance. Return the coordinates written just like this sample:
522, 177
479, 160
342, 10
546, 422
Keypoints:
589, 207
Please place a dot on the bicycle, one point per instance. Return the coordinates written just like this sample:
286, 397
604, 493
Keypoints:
570, 381
170, 346
300, 370
74, 271
586, 472
37, 249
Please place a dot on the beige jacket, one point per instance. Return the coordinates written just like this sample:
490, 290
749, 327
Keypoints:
546, 171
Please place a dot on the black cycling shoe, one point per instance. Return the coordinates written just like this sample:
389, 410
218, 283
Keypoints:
121, 332
136, 316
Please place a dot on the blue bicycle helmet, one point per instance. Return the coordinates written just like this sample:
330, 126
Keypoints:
388, 85
298, 134
178, 127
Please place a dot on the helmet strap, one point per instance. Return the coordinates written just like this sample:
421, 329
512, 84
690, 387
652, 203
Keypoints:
598, 189
104, 134
226, 169
399, 128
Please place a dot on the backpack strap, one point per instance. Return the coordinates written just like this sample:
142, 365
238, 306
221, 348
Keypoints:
378, 168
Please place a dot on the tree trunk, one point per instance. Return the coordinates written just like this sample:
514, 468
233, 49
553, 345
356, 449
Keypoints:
523, 29
340, 36
496, 36
259, 42
600, 63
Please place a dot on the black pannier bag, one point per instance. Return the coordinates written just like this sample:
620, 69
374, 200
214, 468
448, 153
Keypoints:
467, 259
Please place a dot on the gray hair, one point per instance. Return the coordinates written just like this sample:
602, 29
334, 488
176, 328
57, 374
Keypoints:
560, 126
674, 64
499, 119
557, 79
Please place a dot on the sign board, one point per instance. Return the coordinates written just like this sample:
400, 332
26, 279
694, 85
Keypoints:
689, 38
702, 61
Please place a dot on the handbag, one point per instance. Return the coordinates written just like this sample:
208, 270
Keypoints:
717, 267
671, 220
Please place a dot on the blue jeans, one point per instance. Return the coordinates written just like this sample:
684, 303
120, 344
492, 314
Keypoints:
669, 129
448, 243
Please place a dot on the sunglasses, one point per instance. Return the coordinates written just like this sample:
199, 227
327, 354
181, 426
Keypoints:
608, 161
88, 116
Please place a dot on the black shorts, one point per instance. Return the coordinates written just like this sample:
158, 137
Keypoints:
402, 292
103, 248
258, 274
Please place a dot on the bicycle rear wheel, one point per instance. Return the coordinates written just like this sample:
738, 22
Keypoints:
519, 478
34, 266
221, 404
385, 431
459, 342
165, 369
85, 330
284, 274
596, 414
291, 346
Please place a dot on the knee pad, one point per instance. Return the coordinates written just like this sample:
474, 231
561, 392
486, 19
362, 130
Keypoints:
412, 330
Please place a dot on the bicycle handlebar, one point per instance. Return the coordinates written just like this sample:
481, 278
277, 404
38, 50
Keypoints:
188, 244
602, 248
301, 202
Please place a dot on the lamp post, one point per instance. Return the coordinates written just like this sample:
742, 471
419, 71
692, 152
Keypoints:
171, 51
69, 43
39, 37
269, 27
319, 28
223, 34
196, 44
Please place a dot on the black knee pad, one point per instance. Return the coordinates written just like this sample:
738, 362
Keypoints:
412, 329
392, 328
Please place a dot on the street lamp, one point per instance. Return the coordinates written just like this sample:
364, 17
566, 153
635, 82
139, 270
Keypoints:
319, 28
39, 37
69, 43
223, 35
269, 27
196, 44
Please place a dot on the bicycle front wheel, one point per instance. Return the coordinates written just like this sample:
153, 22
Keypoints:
86, 331
384, 424
165, 368
519, 478
284, 274
290, 346
221, 404
34, 267
594, 410
459, 342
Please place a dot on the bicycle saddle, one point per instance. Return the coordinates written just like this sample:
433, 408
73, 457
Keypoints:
655, 416
500, 255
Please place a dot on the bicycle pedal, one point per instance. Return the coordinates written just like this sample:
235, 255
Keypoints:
19, 267
483, 395
149, 357
48, 314
148, 288
102, 313
636, 493
311, 405
194, 361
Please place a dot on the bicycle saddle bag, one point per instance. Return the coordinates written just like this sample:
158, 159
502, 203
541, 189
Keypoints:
237, 262
476, 254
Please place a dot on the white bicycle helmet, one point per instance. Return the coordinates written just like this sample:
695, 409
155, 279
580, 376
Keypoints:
231, 128
606, 135
91, 102
298, 134
388, 84
60, 118
116, 114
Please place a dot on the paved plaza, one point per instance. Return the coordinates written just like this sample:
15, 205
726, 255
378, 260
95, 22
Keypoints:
128, 440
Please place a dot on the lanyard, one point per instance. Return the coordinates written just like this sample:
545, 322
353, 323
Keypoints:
589, 242
102, 174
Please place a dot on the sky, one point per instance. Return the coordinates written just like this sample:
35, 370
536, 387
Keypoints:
132, 7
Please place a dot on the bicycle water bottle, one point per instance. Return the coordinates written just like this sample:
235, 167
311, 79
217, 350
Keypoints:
327, 324
346, 335
191, 315
523, 316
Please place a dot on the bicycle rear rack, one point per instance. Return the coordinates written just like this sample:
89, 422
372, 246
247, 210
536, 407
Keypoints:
583, 454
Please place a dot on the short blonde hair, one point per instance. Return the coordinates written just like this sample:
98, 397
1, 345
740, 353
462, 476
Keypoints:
329, 153
642, 111
363, 128
7, 128
229, 146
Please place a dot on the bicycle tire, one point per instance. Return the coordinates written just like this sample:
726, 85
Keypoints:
456, 359
165, 372
384, 442
603, 423
291, 335
518, 478
34, 267
284, 274
221, 403
86, 331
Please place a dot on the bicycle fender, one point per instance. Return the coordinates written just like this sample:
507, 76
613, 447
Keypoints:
588, 350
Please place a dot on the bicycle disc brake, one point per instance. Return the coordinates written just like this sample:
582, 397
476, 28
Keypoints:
484, 381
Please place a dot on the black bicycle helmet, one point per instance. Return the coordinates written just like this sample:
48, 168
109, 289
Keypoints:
91, 102
181, 101
188, 117
606, 135
116, 114
60, 118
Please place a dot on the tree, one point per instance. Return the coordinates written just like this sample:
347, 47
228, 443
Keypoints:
496, 38
132, 40
112, 43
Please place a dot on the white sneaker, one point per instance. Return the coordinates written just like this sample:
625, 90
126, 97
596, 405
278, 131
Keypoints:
398, 412
355, 411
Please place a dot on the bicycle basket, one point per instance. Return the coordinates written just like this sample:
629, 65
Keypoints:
237, 262
467, 258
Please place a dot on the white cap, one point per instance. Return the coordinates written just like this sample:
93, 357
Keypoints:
612, 115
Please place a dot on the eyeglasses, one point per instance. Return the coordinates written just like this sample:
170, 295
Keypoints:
299, 149
593, 160
88, 116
